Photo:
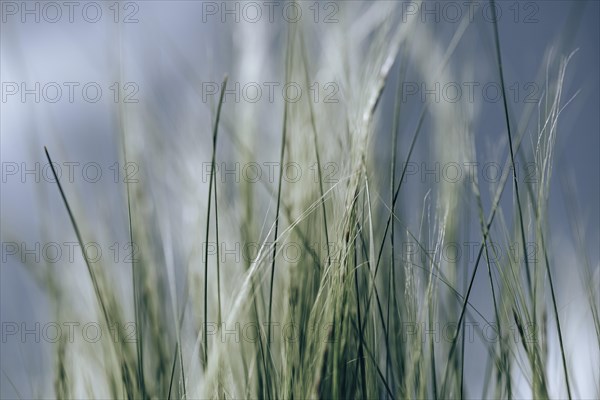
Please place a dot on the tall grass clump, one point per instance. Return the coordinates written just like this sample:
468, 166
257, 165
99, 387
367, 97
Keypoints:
349, 292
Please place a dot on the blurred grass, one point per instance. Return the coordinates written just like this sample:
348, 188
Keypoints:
351, 297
